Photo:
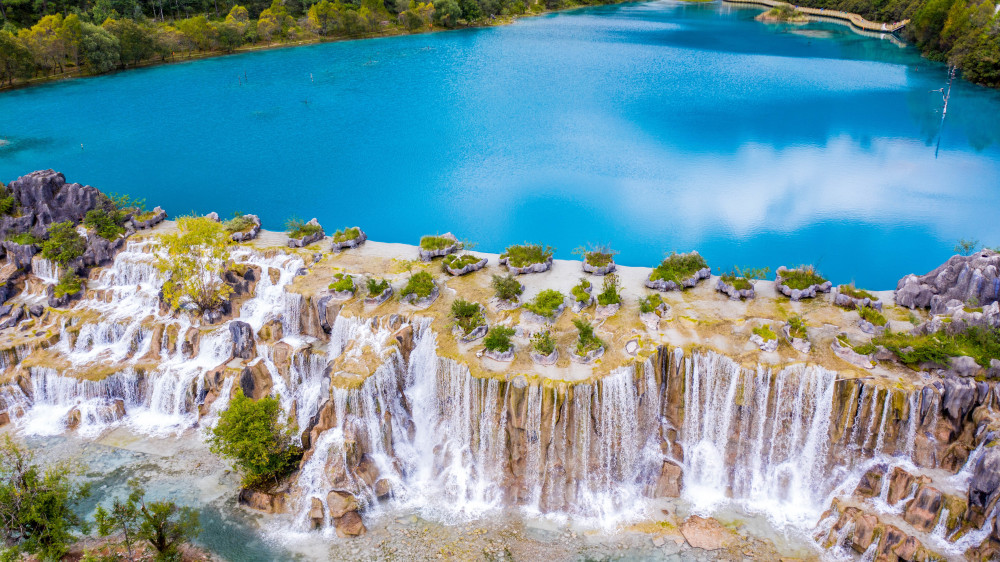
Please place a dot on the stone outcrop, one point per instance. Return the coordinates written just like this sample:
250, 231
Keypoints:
967, 279
470, 268
733, 293
847, 301
156, 216
44, 198
428, 255
347, 244
255, 380
669, 285
599, 270
244, 346
530, 268
421, 302
309, 238
247, 235
799, 294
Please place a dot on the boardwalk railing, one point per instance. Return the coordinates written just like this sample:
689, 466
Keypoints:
854, 19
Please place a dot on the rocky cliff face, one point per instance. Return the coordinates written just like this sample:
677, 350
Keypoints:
44, 198
967, 279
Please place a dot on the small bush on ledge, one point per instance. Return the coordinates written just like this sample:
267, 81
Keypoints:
506, 288
296, 228
527, 258
239, 223
802, 282
546, 303
678, 271
436, 242
64, 243
610, 292
376, 286
69, 284
855, 293
765, 332
24, 239
598, 260
587, 341
498, 340
872, 316
581, 292
542, 343
347, 234
797, 327
650, 303
421, 285
342, 283
468, 315
455, 264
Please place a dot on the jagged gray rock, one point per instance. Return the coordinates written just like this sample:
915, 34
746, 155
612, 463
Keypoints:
46, 198
961, 277
244, 346
985, 479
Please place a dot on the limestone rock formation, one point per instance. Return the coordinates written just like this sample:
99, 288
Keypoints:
45, 198
965, 278
244, 346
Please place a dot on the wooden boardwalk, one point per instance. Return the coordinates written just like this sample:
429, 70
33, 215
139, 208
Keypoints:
854, 19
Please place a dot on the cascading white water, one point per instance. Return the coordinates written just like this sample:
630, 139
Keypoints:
46, 270
55, 396
763, 449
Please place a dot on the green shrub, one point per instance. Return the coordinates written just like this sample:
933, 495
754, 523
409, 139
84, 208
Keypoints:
678, 267
506, 287
610, 292
797, 327
69, 284
855, 293
587, 340
498, 340
342, 282
162, 524
420, 284
579, 291
871, 315
938, 347
546, 303
64, 243
649, 303
436, 242
526, 254
252, 435
742, 278
296, 228
765, 332
352, 233
39, 506
802, 277
8, 204
107, 225
455, 261
468, 315
24, 239
239, 223
543, 343
376, 286
597, 256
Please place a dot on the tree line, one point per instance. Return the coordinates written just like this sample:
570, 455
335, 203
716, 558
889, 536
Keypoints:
963, 33
48, 37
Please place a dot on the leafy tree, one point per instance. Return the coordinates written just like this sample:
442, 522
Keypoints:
164, 525
107, 224
447, 12
64, 243
47, 42
966, 247
135, 42
196, 256
16, 60
99, 49
252, 435
38, 505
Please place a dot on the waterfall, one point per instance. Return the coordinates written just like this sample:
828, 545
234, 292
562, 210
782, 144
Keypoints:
766, 450
46, 270
55, 398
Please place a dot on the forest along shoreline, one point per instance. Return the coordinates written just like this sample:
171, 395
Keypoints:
316, 26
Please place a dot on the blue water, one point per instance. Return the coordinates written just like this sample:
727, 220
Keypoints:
655, 126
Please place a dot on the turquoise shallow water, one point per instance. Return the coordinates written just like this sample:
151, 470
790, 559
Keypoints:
656, 126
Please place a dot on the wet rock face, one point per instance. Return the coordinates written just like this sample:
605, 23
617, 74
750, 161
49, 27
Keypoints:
46, 198
255, 380
985, 480
923, 511
961, 277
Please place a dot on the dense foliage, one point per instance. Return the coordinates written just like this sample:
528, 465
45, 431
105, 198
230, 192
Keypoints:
855, 293
259, 443
468, 315
797, 327
765, 332
546, 303
376, 286
498, 340
649, 303
506, 287
938, 347
587, 340
610, 291
543, 343
802, 277
38, 506
342, 282
193, 264
346, 234
297, 228
526, 254
436, 242
64, 243
163, 525
678, 267
420, 284
456, 261
965, 33
581, 291
69, 284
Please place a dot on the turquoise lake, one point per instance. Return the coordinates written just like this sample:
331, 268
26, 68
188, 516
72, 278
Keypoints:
654, 126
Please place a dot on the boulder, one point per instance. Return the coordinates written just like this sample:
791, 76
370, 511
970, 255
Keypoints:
530, 268
705, 533
316, 513
668, 485
158, 215
248, 235
244, 346
306, 240
799, 294
340, 503
350, 525
961, 277
428, 255
922, 512
598, 270
263, 501
871, 483
347, 244
733, 293
19, 254
983, 486
900, 482
255, 380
